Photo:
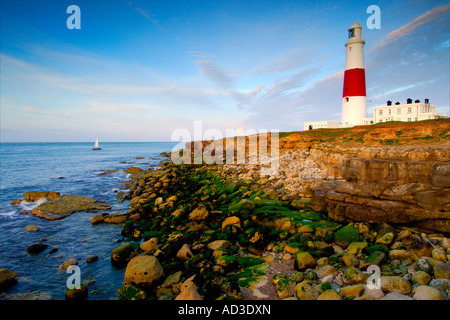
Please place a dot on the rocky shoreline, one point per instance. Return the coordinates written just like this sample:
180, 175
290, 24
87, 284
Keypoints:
204, 232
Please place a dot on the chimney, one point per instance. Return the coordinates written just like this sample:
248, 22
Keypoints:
389, 103
427, 100
409, 101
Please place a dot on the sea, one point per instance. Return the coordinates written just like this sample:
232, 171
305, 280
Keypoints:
75, 169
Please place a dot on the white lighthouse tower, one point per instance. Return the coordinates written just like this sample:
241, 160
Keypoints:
354, 93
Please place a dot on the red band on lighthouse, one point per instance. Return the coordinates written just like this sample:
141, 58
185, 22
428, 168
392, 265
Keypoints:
354, 83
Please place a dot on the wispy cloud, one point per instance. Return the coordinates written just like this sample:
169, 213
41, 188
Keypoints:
147, 14
415, 24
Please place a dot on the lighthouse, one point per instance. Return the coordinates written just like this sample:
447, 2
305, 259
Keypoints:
354, 92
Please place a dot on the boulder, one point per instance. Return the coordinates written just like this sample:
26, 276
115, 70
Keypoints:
421, 277
149, 245
396, 296
305, 291
199, 214
77, 294
424, 292
352, 291
189, 291
31, 227
36, 248
219, 244
353, 276
304, 260
66, 264
7, 278
346, 235
121, 255
398, 284
143, 271
185, 253
66, 205
233, 224
34, 196
329, 294
442, 271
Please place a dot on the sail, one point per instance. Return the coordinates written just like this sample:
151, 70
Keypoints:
96, 143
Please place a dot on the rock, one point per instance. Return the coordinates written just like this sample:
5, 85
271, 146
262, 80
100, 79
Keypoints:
159, 201
395, 284
329, 294
445, 243
37, 195
77, 294
185, 253
375, 293
285, 287
149, 245
344, 236
66, 264
231, 224
31, 227
115, 217
353, 276
199, 214
66, 205
36, 248
422, 248
172, 279
121, 255
143, 271
7, 278
133, 170
421, 277
91, 259
423, 265
439, 254
188, 290
441, 284
442, 271
354, 290
132, 292
325, 271
396, 296
305, 291
424, 292
374, 259
98, 218
219, 244
386, 238
350, 260
400, 254
356, 247
304, 260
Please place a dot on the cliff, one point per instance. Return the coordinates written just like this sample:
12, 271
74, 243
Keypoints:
392, 172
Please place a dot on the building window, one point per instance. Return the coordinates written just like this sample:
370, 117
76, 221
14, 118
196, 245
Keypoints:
389, 111
381, 120
399, 110
409, 109
381, 112
409, 119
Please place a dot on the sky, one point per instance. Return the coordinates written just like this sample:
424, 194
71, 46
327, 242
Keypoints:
141, 70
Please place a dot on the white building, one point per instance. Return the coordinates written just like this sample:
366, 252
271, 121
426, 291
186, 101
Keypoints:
320, 125
411, 111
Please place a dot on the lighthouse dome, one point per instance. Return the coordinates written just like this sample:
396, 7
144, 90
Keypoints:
355, 25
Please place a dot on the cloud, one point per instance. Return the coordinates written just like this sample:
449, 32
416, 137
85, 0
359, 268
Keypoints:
146, 14
422, 20
287, 61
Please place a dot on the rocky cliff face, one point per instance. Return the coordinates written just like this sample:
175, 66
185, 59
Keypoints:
400, 184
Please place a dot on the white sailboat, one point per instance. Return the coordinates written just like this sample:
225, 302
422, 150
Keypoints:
96, 147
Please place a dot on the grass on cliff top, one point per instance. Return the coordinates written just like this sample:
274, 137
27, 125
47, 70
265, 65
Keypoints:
379, 134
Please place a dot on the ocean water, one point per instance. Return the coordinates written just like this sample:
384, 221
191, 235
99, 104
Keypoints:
68, 168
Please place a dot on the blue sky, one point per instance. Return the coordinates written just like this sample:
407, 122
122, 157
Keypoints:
138, 70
